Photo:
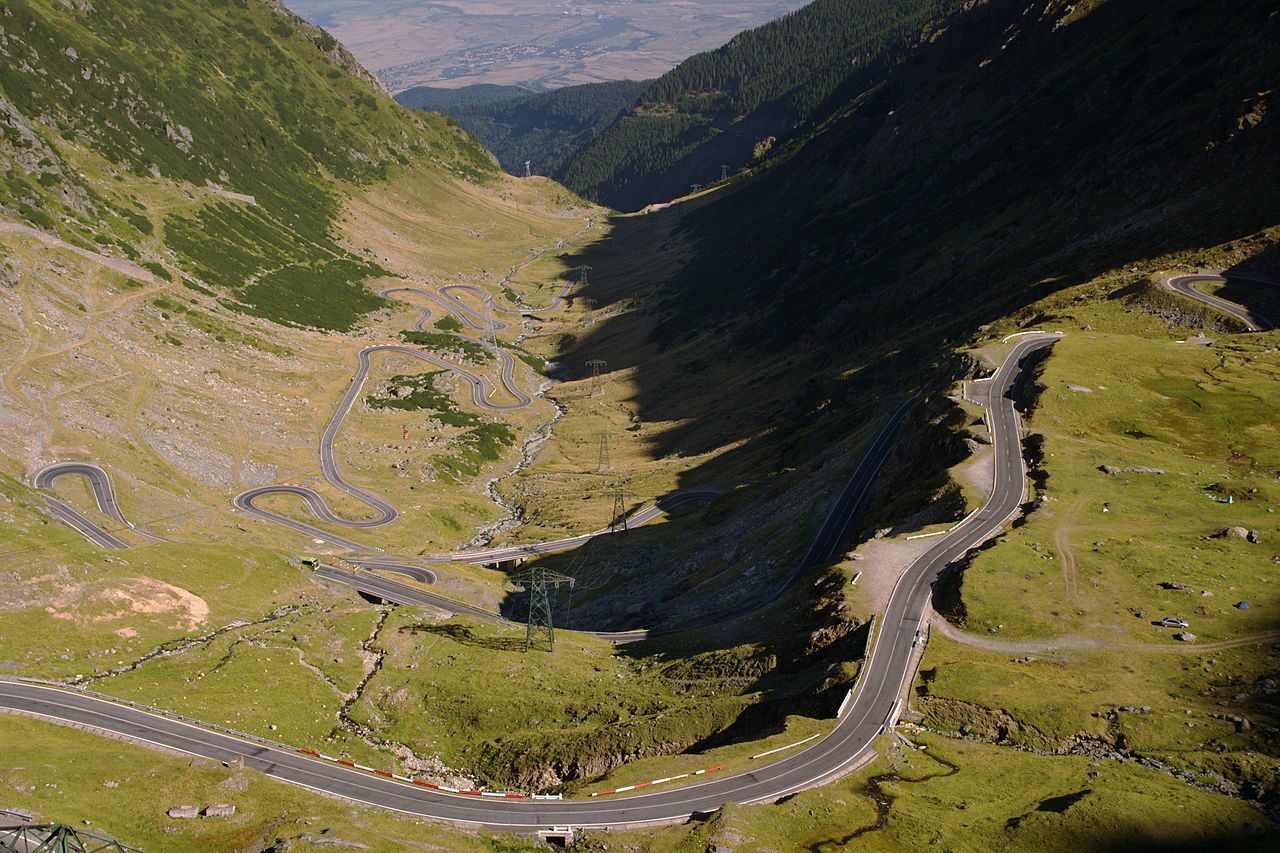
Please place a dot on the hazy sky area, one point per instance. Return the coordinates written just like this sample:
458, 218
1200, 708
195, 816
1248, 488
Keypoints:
534, 42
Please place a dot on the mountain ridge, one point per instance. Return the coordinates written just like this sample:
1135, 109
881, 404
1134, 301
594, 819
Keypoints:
543, 127
728, 106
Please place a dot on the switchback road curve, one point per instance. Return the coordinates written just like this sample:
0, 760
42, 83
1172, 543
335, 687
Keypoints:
1185, 285
873, 709
384, 512
103, 495
481, 394
822, 549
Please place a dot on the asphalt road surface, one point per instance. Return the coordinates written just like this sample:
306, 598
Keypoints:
1185, 285
873, 708
103, 495
481, 394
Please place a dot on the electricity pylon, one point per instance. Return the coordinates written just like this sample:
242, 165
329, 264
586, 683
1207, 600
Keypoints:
57, 838
597, 365
582, 274
618, 521
528, 168
492, 329
724, 173
539, 624
604, 451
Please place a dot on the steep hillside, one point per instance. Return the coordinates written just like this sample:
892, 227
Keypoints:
544, 128
971, 181
1033, 166
979, 173
728, 106
86, 121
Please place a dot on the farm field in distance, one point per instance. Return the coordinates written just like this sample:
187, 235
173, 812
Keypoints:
458, 43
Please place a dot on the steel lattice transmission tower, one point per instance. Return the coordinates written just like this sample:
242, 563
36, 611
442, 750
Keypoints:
528, 168
20, 837
491, 333
582, 274
603, 438
539, 625
597, 365
618, 521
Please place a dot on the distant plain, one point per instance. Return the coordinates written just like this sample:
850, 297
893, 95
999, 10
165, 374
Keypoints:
453, 43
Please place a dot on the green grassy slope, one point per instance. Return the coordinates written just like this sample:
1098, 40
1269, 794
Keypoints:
723, 106
1153, 441
103, 98
938, 793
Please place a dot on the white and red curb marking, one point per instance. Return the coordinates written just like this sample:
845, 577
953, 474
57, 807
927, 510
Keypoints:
508, 795
625, 788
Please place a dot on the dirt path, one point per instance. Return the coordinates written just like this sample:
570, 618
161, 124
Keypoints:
1076, 641
73, 390
1062, 544
119, 265
137, 400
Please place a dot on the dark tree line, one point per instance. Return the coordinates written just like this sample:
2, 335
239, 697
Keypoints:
716, 106
545, 127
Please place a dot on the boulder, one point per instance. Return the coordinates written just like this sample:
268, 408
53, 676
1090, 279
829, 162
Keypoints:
1237, 532
1185, 636
220, 810
184, 812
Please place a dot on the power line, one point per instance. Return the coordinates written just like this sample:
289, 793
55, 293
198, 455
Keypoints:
539, 625
603, 463
597, 366
491, 334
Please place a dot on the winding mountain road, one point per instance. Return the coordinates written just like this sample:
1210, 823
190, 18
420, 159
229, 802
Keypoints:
873, 707
482, 394
1186, 285
103, 494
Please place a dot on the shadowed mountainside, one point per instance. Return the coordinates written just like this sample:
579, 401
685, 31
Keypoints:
777, 320
545, 127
